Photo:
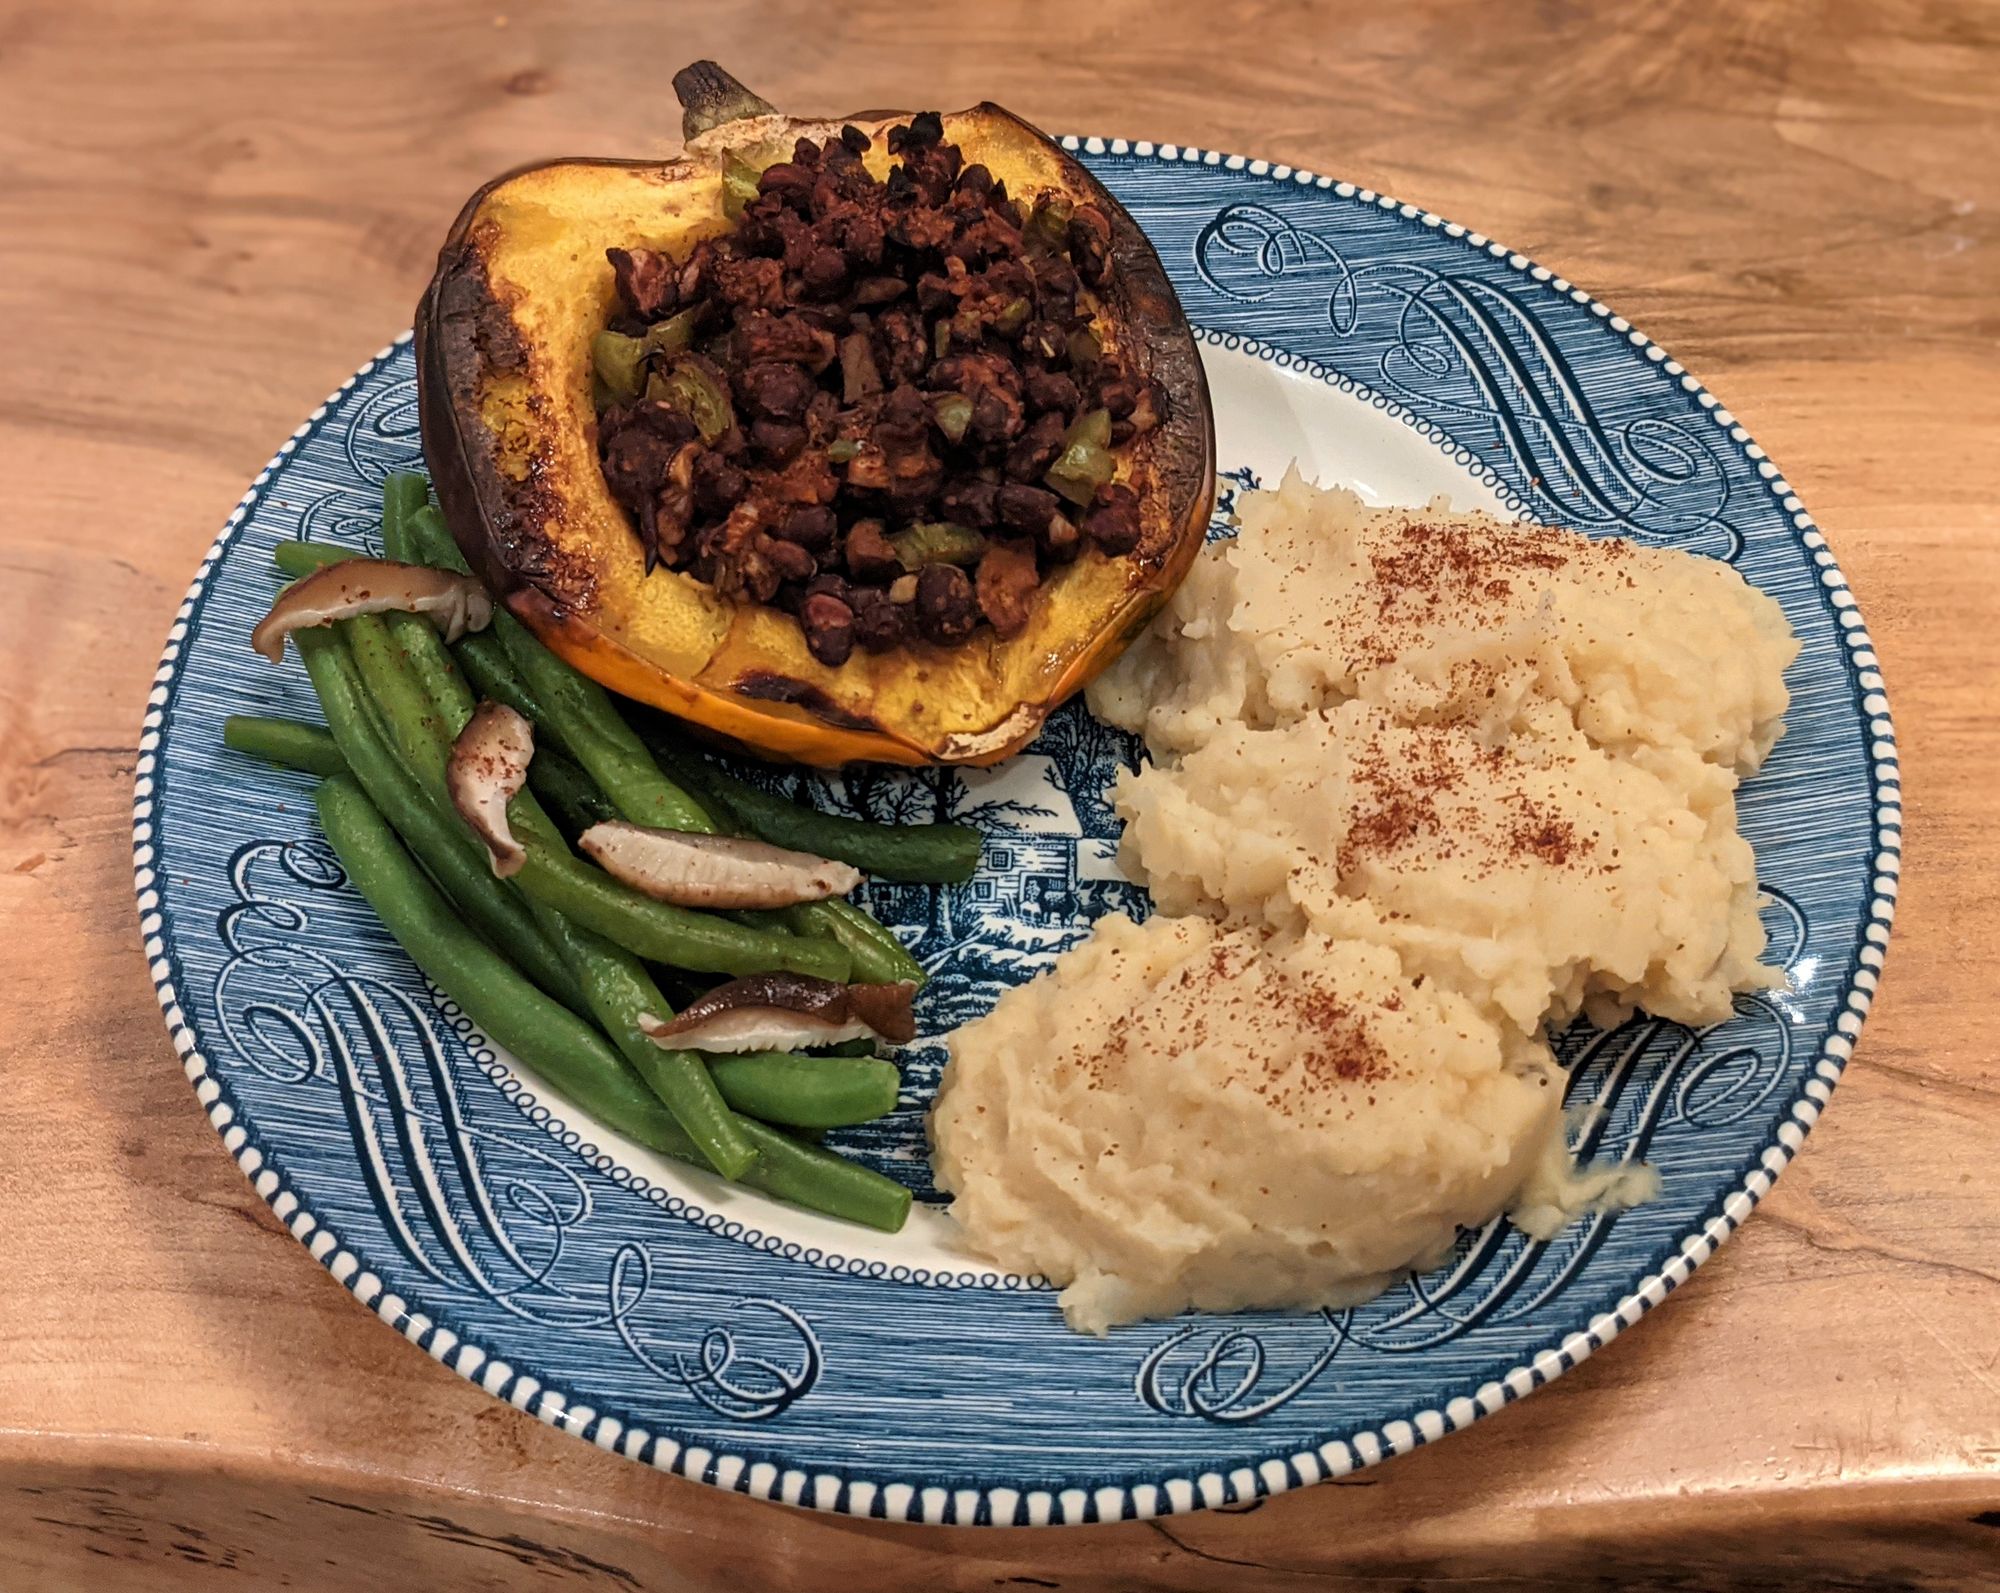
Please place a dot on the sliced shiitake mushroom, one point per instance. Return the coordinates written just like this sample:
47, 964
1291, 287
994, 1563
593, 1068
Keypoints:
723, 871
785, 1012
487, 768
455, 603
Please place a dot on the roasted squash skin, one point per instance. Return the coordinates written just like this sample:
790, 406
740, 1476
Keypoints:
509, 429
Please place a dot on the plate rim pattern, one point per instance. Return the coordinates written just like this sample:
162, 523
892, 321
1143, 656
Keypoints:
999, 1504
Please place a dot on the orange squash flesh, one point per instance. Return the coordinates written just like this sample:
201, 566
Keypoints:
503, 355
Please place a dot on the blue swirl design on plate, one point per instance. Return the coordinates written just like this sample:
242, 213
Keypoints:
496, 1235
498, 1212
1469, 355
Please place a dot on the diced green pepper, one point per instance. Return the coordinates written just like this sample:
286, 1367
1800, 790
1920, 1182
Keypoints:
674, 335
696, 394
1047, 231
1086, 462
954, 414
739, 184
620, 363
1012, 317
1084, 349
937, 542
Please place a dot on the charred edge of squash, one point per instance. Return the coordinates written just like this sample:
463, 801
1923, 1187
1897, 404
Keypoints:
498, 522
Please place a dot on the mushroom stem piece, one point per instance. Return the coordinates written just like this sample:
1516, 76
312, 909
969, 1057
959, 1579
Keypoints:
488, 766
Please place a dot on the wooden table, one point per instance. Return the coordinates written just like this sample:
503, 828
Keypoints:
212, 212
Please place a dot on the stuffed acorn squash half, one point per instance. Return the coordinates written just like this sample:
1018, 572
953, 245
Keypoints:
862, 439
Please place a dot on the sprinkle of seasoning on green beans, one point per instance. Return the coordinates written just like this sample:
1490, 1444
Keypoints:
564, 1051
620, 992
422, 739
570, 795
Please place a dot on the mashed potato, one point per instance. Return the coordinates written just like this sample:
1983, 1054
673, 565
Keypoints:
1189, 1116
1434, 615
1423, 784
1537, 876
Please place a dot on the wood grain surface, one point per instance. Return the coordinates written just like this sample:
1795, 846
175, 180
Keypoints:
212, 212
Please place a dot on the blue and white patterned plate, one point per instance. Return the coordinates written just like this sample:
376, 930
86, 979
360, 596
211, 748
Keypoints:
652, 1311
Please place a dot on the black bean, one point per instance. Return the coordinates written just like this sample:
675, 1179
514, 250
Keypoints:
879, 624
1052, 390
1024, 508
828, 624
1113, 520
791, 561
779, 441
969, 501
947, 611
812, 526
1031, 457
775, 388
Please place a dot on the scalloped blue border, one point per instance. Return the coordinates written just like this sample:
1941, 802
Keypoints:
1002, 1506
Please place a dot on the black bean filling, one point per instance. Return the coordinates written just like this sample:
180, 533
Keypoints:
878, 406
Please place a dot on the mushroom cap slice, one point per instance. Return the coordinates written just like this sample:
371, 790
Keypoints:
713, 870
779, 1012
455, 603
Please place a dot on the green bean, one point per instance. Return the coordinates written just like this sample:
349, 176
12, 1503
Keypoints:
486, 665
821, 1181
302, 558
879, 957
941, 854
480, 654
421, 736
564, 1051
403, 494
807, 1091
620, 992
570, 795
455, 859
285, 742
661, 932
431, 542
426, 705
596, 735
